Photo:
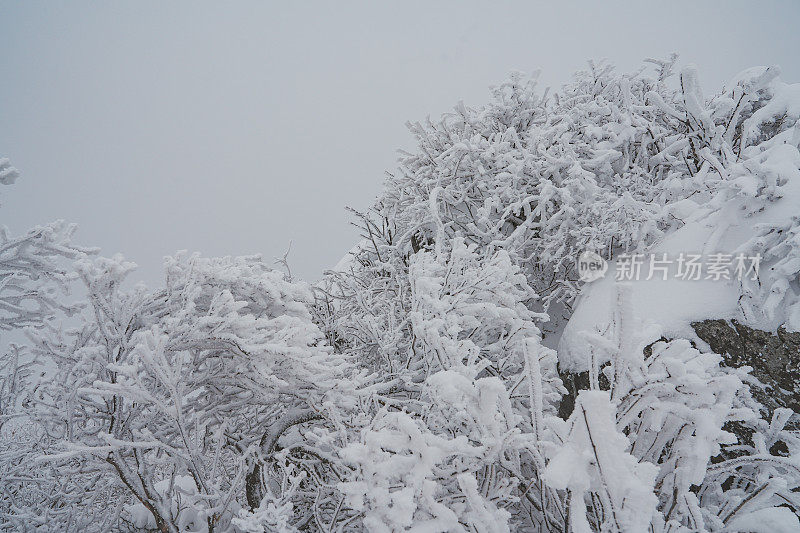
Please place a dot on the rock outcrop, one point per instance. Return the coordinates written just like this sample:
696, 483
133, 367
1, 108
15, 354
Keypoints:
774, 357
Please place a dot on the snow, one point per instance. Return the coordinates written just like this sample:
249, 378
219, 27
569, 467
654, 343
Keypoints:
411, 389
774, 520
183, 491
673, 304
8, 174
347, 259
594, 458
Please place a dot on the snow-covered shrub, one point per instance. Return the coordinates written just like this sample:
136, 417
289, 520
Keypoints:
413, 388
545, 177
181, 394
275, 511
597, 471
407, 476
34, 280
34, 275
613, 163
448, 450
674, 403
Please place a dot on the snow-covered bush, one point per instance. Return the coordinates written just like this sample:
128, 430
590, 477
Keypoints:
675, 405
598, 473
612, 163
417, 386
545, 177
450, 450
180, 395
34, 280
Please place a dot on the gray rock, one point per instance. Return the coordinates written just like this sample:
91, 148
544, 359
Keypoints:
774, 357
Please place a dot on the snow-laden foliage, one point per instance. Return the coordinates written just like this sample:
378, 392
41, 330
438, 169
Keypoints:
611, 163
676, 405
33, 275
452, 450
774, 295
415, 387
594, 461
172, 397
544, 178
275, 510
34, 280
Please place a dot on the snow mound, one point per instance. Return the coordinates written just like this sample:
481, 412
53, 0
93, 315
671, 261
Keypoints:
673, 303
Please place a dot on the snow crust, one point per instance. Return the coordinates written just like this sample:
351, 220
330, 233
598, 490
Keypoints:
674, 303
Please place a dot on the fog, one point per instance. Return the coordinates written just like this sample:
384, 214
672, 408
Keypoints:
238, 128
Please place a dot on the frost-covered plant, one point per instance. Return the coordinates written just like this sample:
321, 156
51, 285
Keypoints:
187, 386
542, 176
611, 162
407, 476
452, 451
671, 407
34, 279
598, 473
413, 388
275, 511
33, 274
32, 268
772, 297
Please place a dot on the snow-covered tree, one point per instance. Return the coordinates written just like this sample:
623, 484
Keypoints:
449, 453
180, 397
418, 385
34, 279
613, 163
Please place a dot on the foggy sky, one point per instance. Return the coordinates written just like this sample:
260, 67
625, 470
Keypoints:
237, 127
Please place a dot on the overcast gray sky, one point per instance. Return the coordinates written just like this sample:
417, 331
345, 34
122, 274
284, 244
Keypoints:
236, 127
